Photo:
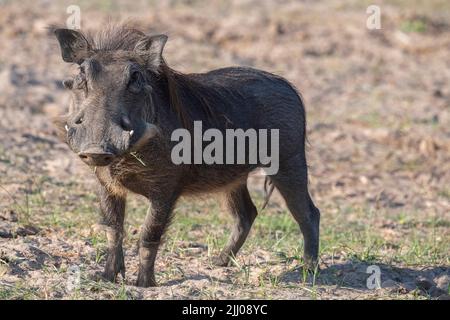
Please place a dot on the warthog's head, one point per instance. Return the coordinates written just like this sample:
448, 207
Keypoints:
111, 107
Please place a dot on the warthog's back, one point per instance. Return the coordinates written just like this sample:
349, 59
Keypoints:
251, 98
251, 88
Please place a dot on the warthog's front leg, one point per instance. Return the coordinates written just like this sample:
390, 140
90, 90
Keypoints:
155, 224
113, 214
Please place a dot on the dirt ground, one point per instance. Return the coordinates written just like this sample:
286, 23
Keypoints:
378, 108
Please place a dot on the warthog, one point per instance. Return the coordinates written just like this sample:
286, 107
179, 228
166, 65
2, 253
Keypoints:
127, 102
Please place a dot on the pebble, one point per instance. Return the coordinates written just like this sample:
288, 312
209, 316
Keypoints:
442, 282
436, 292
389, 284
5, 233
424, 283
27, 230
9, 215
409, 286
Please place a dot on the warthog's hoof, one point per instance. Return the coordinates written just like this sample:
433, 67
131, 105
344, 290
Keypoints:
115, 264
311, 265
111, 275
145, 281
220, 261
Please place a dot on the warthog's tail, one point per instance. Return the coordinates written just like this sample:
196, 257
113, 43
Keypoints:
268, 189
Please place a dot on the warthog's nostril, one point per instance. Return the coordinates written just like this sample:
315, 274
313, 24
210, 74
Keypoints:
96, 158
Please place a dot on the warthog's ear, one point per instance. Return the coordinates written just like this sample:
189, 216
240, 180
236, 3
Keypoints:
150, 49
60, 123
74, 46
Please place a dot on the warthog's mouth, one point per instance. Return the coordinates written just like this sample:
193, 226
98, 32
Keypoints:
97, 156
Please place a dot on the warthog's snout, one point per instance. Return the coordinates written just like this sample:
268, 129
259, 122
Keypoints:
96, 157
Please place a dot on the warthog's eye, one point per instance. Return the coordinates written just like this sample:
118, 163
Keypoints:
79, 120
136, 82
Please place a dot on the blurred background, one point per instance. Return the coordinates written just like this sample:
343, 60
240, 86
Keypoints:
378, 111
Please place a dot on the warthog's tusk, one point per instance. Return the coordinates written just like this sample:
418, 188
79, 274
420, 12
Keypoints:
66, 127
131, 133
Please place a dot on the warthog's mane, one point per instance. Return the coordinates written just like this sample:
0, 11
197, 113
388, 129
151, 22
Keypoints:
115, 37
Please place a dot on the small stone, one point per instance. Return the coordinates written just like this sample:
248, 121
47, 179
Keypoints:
424, 283
9, 215
437, 93
56, 295
3, 269
389, 284
4, 233
436, 292
442, 282
409, 286
27, 231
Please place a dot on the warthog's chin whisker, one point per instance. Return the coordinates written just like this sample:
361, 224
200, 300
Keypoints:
136, 156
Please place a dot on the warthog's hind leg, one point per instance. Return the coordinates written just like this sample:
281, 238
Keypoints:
244, 213
292, 182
